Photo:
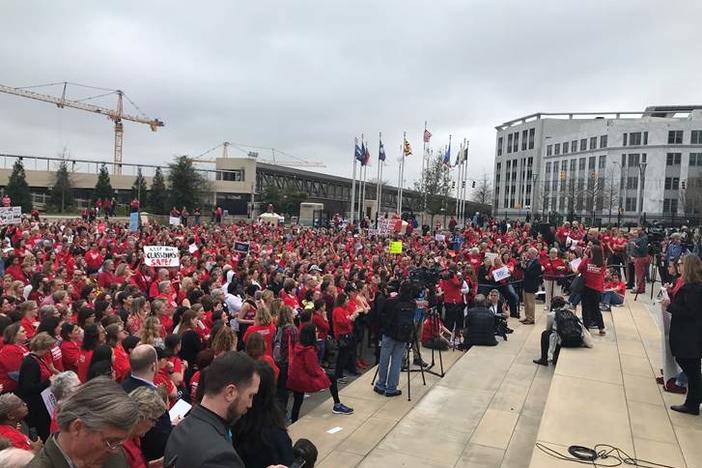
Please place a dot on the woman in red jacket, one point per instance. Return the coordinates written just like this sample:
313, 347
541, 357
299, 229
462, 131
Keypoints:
554, 269
11, 356
593, 269
343, 332
306, 376
71, 338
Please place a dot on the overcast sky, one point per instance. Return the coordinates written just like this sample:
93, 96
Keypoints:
309, 76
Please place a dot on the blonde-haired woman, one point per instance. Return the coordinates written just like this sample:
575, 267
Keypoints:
151, 332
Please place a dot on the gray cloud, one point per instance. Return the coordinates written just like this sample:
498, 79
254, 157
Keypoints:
309, 76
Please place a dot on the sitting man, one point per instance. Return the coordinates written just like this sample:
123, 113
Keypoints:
563, 329
480, 325
613, 293
434, 334
501, 311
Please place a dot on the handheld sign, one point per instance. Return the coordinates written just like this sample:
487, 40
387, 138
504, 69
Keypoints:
396, 247
161, 256
10, 215
174, 220
491, 256
133, 222
501, 274
241, 247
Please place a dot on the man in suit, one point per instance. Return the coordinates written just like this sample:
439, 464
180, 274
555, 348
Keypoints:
94, 422
204, 438
144, 364
532, 279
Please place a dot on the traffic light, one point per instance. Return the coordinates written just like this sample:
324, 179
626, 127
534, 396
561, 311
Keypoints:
683, 184
473, 184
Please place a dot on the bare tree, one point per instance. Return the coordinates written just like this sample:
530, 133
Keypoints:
435, 185
482, 193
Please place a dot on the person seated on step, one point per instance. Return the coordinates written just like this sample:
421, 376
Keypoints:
498, 306
434, 334
563, 329
613, 294
480, 325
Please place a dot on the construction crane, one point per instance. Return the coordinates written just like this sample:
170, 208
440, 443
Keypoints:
298, 162
117, 114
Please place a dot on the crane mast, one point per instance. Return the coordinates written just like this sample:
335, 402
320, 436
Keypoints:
117, 115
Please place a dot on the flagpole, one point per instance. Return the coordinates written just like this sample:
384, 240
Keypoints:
402, 171
360, 180
362, 208
378, 182
464, 182
425, 164
352, 211
458, 182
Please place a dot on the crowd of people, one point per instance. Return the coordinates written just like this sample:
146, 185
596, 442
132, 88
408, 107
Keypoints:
234, 332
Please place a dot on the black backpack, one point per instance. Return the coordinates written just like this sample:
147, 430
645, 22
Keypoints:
569, 328
402, 325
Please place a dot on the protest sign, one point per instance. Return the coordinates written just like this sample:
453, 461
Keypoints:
10, 215
133, 222
49, 400
501, 274
574, 264
192, 248
384, 226
491, 256
161, 256
174, 220
242, 247
440, 237
396, 247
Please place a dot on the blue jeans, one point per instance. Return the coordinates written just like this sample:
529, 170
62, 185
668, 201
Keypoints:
512, 299
574, 299
612, 298
392, 352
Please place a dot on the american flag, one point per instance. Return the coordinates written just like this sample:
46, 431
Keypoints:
427, 135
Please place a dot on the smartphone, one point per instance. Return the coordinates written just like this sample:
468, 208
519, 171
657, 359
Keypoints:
298, 463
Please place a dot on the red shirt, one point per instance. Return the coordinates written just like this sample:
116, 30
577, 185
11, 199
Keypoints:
132, 450
84, 364
70, 352
120, 363
107, 279
341, 321
322, 324
29, 327
54, 357
16, 437
269, 360
431, 329
554, 269
93, 259
593, 276
163, 377
619, 287
266, 331
11, 357
452, 290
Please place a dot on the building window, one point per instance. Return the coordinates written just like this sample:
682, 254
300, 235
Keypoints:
632, 183
554, 184
635, 139
673, 159
574, 146
532, 135
696, 137
499, 146
524, 139
549, 150
581, 164
515, 148
509, 143
591, 163
557, 149
230, 176
565, 148
630, 204
633, 160
696, 159
668, 183
583, 144
624, 139
603, 141
623, 160
572, 165
676, 183
645, 138
603, 162
548, 168
593, 143
675, 137
670, 205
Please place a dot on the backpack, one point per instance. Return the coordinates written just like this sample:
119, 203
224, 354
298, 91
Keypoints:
402, 326
569, 328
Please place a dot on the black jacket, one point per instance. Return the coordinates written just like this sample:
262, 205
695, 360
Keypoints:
480, 327
686, 323
50, 456
201, 440
532, 276
154, 442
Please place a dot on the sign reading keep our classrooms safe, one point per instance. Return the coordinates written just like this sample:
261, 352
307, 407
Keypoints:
10, 215
161, 256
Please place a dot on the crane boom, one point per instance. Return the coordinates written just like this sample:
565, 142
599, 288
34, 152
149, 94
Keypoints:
116, 115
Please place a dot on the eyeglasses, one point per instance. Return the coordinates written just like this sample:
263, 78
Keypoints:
114, 445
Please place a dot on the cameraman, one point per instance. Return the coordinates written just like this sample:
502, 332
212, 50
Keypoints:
450, 287
397, 326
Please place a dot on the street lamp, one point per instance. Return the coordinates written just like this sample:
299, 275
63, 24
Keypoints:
642, 176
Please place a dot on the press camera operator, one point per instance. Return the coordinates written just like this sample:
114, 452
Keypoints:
398, 330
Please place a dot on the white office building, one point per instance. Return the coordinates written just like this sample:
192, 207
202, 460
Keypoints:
613, 167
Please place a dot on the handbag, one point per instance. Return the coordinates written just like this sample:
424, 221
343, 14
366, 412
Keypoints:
577, 286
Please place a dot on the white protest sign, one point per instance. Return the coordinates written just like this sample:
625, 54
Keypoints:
574, 264
174, 220
192, 248
10, 215
179, 410
385, 226
440, 237
49, 400
501, 274
161, 256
